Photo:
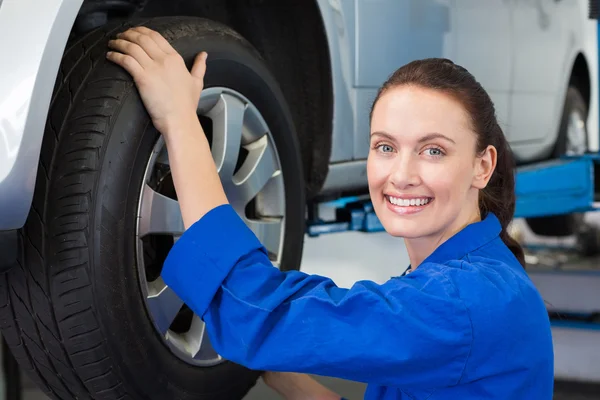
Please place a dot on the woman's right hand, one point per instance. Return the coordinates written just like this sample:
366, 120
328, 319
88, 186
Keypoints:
294, 386
168, 90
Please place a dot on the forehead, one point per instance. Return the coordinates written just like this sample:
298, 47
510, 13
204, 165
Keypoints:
411, 111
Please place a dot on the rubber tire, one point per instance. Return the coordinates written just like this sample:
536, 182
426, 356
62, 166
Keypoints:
72, 311
568, 224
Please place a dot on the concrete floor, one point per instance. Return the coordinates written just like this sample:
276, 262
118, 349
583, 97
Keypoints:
347, 258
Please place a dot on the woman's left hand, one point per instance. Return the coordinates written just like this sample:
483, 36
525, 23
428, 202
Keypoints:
295, 386
168, 90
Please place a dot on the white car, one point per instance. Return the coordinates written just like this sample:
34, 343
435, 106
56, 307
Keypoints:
87, 206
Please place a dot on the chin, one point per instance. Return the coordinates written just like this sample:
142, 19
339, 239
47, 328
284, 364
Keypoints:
406, 229
410, 225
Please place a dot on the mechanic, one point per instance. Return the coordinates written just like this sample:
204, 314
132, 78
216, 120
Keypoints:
465, 323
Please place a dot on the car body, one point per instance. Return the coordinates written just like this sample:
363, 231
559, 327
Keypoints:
523, 51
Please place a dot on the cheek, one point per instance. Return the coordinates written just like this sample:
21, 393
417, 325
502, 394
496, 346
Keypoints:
376, 172
440, 183
446, 180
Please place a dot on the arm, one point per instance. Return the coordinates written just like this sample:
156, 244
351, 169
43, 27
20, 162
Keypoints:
412, 330
406, 331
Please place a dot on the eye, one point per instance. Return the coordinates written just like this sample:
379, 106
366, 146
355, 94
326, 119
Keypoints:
385, 148
435, 152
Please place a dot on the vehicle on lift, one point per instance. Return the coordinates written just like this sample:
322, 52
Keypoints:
87, 205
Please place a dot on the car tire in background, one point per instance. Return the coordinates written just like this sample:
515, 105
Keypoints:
572, 140
85, 312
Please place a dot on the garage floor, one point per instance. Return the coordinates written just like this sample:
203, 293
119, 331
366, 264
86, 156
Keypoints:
346, 258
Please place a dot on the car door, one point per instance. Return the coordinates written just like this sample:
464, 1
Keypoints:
540, 53
390, 33
483, 36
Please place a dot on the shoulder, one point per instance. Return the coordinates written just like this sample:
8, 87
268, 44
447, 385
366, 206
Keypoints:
491, 282
488, 278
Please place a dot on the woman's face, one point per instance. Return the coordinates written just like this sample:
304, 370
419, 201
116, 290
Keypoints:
423, 171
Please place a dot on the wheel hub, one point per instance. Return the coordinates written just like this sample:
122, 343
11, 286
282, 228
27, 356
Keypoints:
576, 134
248, 164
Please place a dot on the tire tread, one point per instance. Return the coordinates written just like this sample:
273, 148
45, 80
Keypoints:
34, 337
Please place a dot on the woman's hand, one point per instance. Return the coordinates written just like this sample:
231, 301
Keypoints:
169, 91
171, 94
294, 386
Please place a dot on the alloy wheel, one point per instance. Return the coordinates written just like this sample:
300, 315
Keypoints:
576, 134
250, 170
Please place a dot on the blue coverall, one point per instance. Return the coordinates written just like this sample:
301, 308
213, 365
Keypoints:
466, 324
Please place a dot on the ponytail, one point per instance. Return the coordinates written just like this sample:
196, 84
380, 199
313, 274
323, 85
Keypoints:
498, 197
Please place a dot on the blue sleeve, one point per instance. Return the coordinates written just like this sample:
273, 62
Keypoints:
409, 330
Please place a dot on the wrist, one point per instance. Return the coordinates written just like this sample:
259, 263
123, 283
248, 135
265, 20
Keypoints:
181, 126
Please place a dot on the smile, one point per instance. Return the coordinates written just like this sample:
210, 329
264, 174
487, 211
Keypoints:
400, 202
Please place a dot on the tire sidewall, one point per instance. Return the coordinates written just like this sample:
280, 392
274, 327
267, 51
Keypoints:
145, 361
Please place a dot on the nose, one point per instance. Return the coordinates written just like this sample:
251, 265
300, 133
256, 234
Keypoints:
405, 171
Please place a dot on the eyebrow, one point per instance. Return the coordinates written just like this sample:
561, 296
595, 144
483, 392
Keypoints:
429, 136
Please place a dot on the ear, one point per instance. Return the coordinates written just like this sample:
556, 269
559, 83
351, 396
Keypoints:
485, 164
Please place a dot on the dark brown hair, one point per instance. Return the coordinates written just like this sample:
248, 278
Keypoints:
440, 74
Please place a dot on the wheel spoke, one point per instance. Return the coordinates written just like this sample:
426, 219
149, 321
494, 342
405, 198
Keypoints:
159, 214
269, 233
163, 155
164, 304
255, 127
258, 168
228, 120
199, 342
269, 202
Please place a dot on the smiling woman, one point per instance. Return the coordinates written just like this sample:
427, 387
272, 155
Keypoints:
439, 160
466, 323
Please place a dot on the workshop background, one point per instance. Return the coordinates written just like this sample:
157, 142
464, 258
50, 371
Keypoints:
74, 304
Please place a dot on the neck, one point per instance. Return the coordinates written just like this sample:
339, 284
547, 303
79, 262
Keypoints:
420, 248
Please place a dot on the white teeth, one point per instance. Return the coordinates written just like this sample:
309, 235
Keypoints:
408, 202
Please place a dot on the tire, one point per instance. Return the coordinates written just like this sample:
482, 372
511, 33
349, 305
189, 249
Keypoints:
73, 310
568, 224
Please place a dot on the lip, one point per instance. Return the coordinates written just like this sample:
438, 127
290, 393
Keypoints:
407, 210
407, 196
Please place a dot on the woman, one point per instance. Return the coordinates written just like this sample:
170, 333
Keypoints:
465, 323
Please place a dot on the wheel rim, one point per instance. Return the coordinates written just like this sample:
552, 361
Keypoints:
576, 134
250, 170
